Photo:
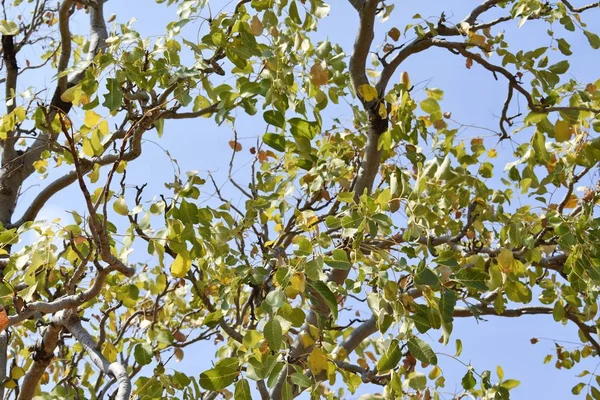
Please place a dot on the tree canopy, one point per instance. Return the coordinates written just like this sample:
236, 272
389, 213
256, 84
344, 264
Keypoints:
381, 205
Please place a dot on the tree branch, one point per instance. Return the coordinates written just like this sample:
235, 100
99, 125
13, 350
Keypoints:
43, 355
69, 320
367, 9
579, 9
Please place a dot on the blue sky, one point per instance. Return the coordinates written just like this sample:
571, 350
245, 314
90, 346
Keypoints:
473, 97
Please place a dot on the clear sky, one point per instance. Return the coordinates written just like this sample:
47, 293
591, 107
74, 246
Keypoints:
473, 97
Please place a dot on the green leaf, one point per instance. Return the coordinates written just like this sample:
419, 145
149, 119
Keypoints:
274, 141
426, 277
273, 334
578, 388
468, 381
560, 67
472, 278
242, 390
327, 295
114, 98
447, 304
390, 358
143, 353
275, 118
422, 351
510, 384
221, 376
300, 379
593, 39
339, 260
430, 105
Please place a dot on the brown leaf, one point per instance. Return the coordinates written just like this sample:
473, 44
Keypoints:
180, 337
262, 156
591, 88
534, 340
252, 150
235, 145
469, 63
256, 26
394, 33
319, 75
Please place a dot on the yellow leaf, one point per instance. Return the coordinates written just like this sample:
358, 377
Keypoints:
20, 113
477, 39
492, 153
110, 352
181, 265
256, 26
91, 119
572, 202
367, 92
17, 373
103, 127
71, 94
319, 75
88, 149
382, 111
94, 173
317, 361
561, 131
298, 283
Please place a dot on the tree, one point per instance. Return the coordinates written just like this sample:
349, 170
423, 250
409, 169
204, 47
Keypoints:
395, 211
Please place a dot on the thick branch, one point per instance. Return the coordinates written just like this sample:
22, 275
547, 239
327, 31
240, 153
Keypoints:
44, 353
71, 322
362, 44
72, 301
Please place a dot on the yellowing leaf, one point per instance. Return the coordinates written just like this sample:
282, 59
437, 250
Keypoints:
367, 92
561, 131
256, 26
505, 259
91, 119
477, 39
492, 153
572, 201
319, 75
181, 265
120, 206
317, 361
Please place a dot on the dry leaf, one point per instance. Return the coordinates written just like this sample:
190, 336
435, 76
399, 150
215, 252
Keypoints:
394, 33
469, 63
3, 319
319, 75
235, 145
256, 26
